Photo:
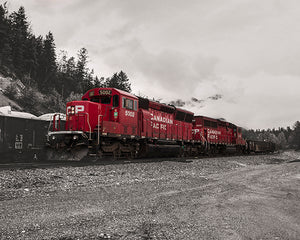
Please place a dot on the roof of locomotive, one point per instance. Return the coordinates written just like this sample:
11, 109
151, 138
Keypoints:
146, 103
220, 120
184, 110
149, 103
114, 90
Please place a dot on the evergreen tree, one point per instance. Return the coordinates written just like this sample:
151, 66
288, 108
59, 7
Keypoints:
89, 81
98, 83
62, 74
73, 97
282, 140
113, 81
71, 76
47, 65
33, 60
85, 79
119, 81
267, 136
5, 47
125, 85
38, 74
30, 101
81, 70
19, 34
31, 57
297, 135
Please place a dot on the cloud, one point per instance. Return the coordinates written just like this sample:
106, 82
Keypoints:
260, 101
245, 51
167, 73
216, 97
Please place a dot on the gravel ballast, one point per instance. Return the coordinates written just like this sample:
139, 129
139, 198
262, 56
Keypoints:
240, 197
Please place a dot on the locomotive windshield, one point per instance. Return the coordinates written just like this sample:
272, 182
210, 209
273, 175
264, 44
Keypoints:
101, 99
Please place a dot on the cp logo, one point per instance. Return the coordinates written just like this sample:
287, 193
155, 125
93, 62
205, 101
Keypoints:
75, 109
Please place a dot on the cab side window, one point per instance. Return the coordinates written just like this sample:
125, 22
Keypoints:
116, 101
135, 105
127, 103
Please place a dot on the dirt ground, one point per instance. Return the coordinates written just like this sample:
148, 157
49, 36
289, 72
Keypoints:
242, 197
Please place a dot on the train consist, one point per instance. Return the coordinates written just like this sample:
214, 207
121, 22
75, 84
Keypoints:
111, 122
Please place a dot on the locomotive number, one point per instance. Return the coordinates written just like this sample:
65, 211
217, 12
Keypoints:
104, 92
129, 114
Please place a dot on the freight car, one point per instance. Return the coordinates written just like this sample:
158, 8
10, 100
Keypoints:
108, 121
22, 135
254, 146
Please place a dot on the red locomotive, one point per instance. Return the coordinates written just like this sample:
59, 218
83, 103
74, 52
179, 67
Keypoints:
217, 135
108, 121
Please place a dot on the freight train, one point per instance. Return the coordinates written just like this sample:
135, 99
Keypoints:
23, 135
112, 122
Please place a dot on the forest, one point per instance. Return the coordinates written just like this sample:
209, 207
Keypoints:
49, 81
282, 137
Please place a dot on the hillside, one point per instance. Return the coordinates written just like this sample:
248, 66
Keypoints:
4, 100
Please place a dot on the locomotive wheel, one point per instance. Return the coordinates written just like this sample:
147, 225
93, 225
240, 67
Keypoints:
117, 154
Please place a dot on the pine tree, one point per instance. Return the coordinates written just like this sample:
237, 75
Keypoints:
113, 81
119, 81
38, 74
81, 70
19, 34
297, 135
125, 85
282, 140
31, 57
5, 47
33, 60
98, 83
70, 83
48, 65
85, 79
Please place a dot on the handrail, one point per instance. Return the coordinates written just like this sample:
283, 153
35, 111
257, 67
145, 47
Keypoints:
206, 142
88, 121
99, 116
53, 122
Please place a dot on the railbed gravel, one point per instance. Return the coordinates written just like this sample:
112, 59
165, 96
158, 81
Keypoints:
23, 182
42, 184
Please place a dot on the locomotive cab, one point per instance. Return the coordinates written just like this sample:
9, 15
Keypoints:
117, 111
102, 115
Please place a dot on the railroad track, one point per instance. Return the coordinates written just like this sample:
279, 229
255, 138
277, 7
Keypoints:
53, 164
105, 161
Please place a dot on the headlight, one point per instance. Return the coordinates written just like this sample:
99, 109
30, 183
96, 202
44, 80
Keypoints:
75, 137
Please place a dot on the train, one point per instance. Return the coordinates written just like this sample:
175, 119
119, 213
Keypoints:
111, 122
23, 135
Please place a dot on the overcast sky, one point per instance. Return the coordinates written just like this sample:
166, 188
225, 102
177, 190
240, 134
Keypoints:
247, 51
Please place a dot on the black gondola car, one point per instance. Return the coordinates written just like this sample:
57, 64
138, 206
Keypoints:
260, 146
22, 137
